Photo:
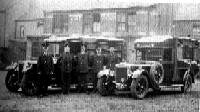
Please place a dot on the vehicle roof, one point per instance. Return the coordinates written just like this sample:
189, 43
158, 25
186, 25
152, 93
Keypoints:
161, 38
154, 38
84, 38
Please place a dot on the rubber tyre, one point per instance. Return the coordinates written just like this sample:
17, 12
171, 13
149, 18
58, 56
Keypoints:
157, 69
102, 87
135, 86
11, 81
187, 84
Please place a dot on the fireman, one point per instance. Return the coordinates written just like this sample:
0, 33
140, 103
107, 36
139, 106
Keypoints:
82, 68
112, 59
66, 68
45, 68
98, 63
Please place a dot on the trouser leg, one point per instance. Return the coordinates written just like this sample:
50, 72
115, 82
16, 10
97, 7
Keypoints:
68, 81
63, 79
95, 82
81, 82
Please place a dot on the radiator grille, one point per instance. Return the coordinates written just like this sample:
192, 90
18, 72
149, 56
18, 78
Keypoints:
121, 73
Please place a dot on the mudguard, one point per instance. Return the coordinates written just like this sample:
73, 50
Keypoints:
103, 72
13, 66
140, 72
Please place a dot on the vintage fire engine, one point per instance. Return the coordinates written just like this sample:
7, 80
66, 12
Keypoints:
28, 67
161, 62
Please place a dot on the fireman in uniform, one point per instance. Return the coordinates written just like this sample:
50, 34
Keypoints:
45, 68
83, 68
112, 59
66, 68
98, 63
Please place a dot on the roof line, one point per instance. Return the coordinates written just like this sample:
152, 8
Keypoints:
103, 9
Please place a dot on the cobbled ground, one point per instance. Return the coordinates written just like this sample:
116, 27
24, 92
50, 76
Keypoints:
166, 101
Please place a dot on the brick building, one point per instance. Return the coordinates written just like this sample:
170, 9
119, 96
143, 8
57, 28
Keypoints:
127, 23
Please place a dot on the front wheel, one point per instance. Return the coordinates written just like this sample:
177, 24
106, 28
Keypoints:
101, 85
11, 81
187, 84
139, 87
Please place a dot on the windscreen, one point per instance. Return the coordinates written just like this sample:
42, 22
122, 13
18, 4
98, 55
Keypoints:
154, 54
145, 54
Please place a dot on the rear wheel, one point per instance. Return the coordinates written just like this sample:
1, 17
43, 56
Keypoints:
101, 85
187, 84
11, 81
139, 87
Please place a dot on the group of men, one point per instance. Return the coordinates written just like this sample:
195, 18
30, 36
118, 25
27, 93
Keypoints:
84, 62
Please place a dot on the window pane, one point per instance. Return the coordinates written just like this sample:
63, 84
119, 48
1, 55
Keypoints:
36, 49
132, 20
96, 17
96, 27
60, 23
122, 27
121, 17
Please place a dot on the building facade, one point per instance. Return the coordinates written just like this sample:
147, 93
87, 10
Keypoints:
127, 23
2, 27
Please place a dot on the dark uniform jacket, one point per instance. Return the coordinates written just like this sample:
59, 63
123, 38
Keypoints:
112, 60
98, 63
45, 64
83, 63
66, 63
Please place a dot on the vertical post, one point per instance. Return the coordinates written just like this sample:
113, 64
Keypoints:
4, 28
15, 29
148, 23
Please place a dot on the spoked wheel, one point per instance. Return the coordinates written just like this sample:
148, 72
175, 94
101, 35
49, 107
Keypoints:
101, 85
157, 73
11, 81
187, 84
139, 87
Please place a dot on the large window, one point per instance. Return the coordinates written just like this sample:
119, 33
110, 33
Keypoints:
132, 22
96, 22
36, 49
60, 23
121, 22
87, 23
48, 25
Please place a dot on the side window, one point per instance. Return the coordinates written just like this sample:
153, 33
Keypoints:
179, 52
139, 55
167, 56
188, 52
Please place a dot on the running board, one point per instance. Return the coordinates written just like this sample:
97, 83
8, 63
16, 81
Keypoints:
171, 87
122, 92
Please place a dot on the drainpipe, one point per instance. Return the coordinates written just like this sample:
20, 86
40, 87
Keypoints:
5, 28
148, 13
15, 29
